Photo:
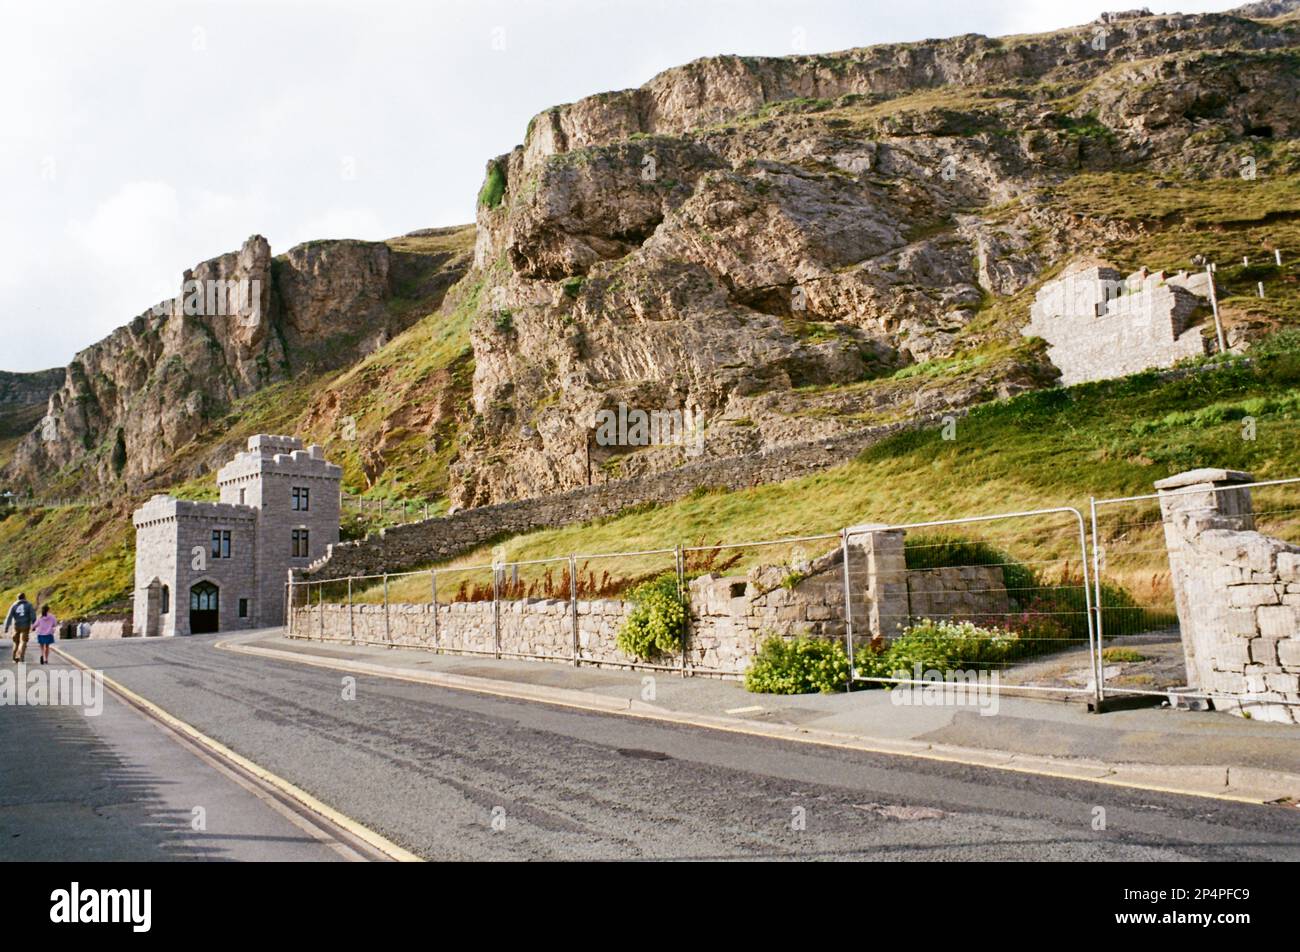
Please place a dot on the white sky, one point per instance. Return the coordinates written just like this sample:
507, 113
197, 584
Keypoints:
138, 138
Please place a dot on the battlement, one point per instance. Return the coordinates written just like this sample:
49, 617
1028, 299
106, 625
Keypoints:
163, 508
267, 444
286, 460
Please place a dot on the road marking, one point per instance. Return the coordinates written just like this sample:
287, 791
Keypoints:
351, 827
969, 757
753, 708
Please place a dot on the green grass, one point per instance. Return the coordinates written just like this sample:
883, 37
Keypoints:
76, 558
1042, 449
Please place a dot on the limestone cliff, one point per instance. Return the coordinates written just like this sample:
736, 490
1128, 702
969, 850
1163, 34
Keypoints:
241, 322
751, 238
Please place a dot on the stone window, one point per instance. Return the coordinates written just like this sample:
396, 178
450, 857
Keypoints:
165, 601
241, 496
301, 498
243, 608
299, 541
221, 543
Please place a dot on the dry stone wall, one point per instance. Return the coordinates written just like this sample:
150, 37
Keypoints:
422, 543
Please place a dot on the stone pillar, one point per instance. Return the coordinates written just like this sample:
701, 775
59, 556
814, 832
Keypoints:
1189, 505
1238, 596
877, 567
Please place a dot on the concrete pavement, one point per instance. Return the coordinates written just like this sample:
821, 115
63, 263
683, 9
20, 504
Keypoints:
116, 786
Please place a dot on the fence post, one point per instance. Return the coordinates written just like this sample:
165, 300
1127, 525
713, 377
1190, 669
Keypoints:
1099, 669
288, 607
496, 611
1214, 303
433, 598
352, 622
573, 606
320, 608
388, 632
848, 604
679, 563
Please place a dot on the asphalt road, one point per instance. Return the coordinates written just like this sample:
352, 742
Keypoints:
116, 786
454, 775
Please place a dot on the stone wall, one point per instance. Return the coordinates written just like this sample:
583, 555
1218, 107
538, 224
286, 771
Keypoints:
534, 627
1099, 325
953, 593
418, 544
734, 613
110, 629
730, 616
1238, 595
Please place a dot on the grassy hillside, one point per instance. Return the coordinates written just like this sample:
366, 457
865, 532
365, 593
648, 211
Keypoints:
79, 558
1038, 450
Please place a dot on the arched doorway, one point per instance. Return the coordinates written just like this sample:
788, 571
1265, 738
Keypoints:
203, 608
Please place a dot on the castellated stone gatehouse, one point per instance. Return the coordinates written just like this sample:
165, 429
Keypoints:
1099, 324
205, 566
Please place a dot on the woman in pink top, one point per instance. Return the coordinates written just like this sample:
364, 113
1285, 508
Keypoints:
45, 627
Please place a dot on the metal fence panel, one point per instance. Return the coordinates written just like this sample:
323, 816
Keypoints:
1005, 597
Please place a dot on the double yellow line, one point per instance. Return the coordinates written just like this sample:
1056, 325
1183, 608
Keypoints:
295, 793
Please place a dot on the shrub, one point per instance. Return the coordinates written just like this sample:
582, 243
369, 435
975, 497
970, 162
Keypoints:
798, 666
943, 646
657, 621
952, 646
494, 187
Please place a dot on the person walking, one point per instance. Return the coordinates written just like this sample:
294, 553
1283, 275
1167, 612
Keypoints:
46, 626
21, 616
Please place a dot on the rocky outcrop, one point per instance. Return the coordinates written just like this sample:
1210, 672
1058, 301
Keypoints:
24, 390
741, 233
241, 322
23, 396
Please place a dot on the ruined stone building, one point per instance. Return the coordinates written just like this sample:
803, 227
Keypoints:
204, 566
1099, 324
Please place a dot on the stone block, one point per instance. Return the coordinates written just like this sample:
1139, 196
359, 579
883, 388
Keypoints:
1239, 622
1288, 684
1227, 682
1276, 621
1263, 651
1232, 655
1251, 595
1288, 653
